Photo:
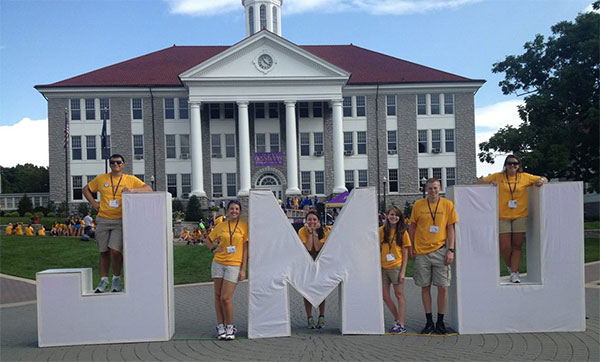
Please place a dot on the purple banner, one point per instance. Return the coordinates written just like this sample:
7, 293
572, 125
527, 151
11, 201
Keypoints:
268, 159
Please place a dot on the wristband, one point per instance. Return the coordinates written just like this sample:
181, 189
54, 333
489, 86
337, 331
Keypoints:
212, 250
451, 249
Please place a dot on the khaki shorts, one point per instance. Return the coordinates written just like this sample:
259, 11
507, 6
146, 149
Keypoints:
391, 276
513, 225
230, 273
109, 234
432, 269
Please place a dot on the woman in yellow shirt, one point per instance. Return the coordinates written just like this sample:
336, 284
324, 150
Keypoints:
512, 185
229, 243
9, 229
29, 230
42, 231
394, 243
19, 229
313, 236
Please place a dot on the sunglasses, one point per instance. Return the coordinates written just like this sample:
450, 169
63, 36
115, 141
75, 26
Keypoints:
116, 162
512, 164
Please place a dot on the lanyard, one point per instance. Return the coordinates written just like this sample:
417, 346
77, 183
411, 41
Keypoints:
232, 232
512, 190
114, 191
433, 214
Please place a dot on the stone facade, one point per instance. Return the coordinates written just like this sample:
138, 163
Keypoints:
120, 131
408, 173
466, 162
56, 134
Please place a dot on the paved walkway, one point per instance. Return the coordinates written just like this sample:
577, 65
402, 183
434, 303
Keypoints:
194, 325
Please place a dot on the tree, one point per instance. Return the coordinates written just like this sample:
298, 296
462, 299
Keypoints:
25, 205
194, 211
558, 136
25, 178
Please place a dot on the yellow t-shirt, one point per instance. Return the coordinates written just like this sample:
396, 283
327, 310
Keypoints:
42, 231
219, 220
239, 236
8, 230
102, 184
19, 230
425, 241
395, 249
303, 234
29, 231
523, 181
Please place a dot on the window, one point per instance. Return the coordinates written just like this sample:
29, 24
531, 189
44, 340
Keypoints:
274, 20
141, 177
318, 142
215, 142
349, 177
421, 104
273, 110
347, 106
263, 17
392, 143
231, 184
305, 179
230, 145
348, 144
183, 109
362, 178
304, 144
436, 143
259, 110
76, 147
104, 108
303, 109
90, 147
169, 108
215, 110
90, 111
228, 110
361, 106
449, 133
217, 185
186, 184
361, 142
393, 179
435, 104
423, 176
138, 146
75, 110
317, 109
171, 148
437, 173
390, 102
251, 19
261, 142
450, 176
77, 188
136, 108
449, 103
422, 137
274, 142
319, 182
184, 144
172, 184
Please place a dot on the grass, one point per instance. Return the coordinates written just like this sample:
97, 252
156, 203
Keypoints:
591, 225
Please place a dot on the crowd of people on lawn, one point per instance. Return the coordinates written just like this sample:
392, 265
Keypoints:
73, 226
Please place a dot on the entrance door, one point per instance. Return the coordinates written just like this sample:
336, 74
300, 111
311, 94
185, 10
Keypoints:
272, 182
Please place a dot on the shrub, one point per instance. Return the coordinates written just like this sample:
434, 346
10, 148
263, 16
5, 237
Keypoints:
178, 205
83, 209
28, 214
51, 214
38, 214
194, 211
12, 214
25, 205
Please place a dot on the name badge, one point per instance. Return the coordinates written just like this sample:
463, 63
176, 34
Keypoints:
512, 204
434, 229
390, 257
113, 203
231, 249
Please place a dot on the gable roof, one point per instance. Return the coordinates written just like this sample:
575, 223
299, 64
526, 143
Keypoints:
162, 68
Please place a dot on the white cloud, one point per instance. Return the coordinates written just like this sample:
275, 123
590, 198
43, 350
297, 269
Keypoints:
375, 7
24, 142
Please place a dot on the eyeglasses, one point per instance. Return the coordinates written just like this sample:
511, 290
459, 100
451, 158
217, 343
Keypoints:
512, 164
116, 162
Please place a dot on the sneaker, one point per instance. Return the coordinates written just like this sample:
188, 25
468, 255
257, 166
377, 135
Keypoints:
440, 328
230, 331
321, 322
428, 329
221, 331
311, 323
101, 288
116, 285
398, 328
515, 277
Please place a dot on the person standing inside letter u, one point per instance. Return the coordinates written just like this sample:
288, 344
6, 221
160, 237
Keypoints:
432, 234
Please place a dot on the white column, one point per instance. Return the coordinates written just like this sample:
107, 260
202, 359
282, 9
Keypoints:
196, 145
291, 148
244, 142
338, 148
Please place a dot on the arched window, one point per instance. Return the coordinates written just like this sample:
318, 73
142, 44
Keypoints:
263, 17
275, 20
251, 19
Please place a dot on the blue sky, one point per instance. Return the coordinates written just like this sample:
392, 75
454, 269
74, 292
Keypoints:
47, 41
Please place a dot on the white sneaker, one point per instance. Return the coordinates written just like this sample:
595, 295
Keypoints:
116, 285
101, 288
230, 332
515, 277
221, 331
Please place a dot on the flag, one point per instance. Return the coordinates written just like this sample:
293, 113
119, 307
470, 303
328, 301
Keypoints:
66, 143
103, 139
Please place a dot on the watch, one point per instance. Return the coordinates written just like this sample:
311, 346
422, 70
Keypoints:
451, 249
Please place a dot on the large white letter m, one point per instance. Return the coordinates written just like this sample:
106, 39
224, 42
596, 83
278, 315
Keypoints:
350, 257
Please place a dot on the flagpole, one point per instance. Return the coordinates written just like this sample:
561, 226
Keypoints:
66, 146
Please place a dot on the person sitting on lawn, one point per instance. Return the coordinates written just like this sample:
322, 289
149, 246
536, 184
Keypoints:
29, 230
19, 229
9, 229
196, 236
185, 235
42, 231
54, 229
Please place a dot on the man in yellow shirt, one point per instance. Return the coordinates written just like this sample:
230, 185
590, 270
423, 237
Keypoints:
41, 231
432, 234
109, 232
19, 229
9, 229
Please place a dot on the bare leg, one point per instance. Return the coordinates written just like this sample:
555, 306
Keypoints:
104, 262
441, 299
227, 300
308, 308
505, 248
117, 261
322, 308
426, 298
517, 251
399, 292
389, 302
218, 285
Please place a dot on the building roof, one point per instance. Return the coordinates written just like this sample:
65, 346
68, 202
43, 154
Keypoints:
162, 68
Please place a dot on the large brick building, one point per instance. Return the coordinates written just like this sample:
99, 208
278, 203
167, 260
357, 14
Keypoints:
216, 121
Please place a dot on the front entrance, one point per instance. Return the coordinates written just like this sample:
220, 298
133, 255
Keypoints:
272, 182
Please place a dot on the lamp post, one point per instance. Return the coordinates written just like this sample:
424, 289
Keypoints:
384, 193
423, 182
152, 182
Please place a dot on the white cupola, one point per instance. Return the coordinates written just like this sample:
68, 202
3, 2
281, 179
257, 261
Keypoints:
262, 14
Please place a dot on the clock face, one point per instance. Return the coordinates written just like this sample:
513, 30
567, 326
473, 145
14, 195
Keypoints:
265, 61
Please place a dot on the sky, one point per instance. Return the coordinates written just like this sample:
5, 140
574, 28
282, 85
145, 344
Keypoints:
44, 41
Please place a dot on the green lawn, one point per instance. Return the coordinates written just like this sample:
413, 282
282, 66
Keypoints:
591, 225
